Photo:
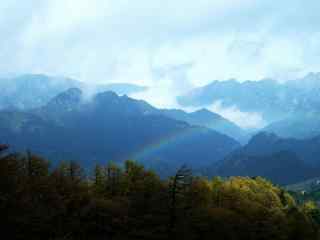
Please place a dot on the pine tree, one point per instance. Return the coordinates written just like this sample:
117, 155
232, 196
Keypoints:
178, 184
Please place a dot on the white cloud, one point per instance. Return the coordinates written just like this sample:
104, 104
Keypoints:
131, 41
246, 120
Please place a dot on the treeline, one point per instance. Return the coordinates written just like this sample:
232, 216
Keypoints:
129, 202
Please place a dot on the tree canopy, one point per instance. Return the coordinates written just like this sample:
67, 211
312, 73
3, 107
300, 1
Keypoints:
131, 202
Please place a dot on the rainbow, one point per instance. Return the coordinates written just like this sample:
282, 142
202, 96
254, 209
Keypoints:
166, 141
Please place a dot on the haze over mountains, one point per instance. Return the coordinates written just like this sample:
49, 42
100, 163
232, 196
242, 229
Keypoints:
206, 118
119, 128
160, 120
34, 90
284, 161
290, 101
55, 118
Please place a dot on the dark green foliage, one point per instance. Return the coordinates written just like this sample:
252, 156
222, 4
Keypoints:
129, 202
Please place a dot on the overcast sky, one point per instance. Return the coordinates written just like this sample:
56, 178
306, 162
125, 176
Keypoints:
169, 44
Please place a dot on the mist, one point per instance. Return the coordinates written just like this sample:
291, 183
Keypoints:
168, 46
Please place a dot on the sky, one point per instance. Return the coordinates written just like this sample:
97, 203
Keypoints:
169, 45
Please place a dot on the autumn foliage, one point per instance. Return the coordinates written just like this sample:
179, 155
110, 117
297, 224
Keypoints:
130, 202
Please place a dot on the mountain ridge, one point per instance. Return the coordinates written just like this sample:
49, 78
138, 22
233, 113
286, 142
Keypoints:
284, 161
28, 91
274, 100
116, 127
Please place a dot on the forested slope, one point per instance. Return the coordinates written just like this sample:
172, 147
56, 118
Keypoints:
129, 202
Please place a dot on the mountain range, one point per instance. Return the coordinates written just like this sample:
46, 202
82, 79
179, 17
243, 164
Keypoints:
299, 126
211, 120
284, 161
57, 118
274, 100
34, 90
111, 127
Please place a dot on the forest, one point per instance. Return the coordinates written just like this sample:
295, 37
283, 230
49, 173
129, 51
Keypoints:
127, 201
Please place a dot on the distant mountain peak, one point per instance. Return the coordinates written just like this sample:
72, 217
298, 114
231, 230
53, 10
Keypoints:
68, 98
106, 98
30, 91
264, 138
274, 100
313, 75
71, 93
205, 112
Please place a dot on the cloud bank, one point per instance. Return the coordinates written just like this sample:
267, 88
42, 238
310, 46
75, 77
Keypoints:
246, 120
170, 45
